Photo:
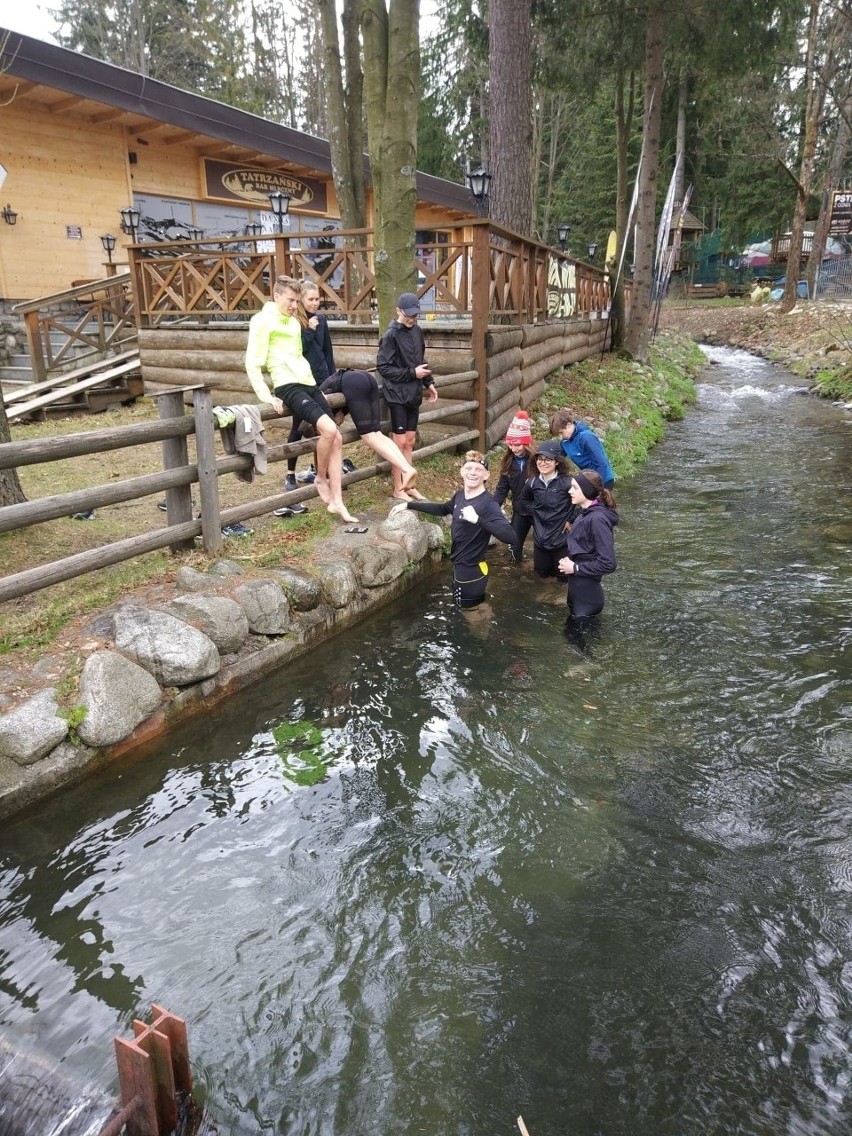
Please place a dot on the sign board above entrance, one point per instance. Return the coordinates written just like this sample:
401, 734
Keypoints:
252, 184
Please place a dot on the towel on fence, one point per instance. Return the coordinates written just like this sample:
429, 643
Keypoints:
243, 435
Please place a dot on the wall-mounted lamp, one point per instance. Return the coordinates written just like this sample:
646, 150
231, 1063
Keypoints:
130, 221
562, 231
253, 229
479, 184
9, 215
108, 241
593, 249
279, 203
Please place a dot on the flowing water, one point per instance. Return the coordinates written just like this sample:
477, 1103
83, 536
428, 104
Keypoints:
441, 874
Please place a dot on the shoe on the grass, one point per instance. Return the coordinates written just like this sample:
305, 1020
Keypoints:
237, 529
290, 510
307, 476
85, 515
348, 466
290, 483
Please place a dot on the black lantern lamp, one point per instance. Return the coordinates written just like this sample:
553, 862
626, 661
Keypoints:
562, 231
279, 203
593, 249
253, 229
194, 233
108, 241
130, 221
9, 215
479, 184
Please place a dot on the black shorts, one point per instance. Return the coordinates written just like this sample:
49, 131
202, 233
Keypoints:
469, 584
403, 418
361, 392
308, 402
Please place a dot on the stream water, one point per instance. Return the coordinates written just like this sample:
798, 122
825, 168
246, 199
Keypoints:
440, 874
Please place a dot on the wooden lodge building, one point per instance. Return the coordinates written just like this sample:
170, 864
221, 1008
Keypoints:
81, 139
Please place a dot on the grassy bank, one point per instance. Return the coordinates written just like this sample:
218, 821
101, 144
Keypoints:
626, 403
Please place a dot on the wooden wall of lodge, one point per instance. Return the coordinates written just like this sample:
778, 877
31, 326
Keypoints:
64, 169
519, 361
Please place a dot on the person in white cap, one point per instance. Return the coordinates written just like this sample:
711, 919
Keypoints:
405, 376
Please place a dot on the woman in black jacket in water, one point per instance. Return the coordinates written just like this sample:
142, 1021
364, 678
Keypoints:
590, 544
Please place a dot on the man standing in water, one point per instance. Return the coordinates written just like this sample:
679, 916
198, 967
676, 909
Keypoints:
275, 346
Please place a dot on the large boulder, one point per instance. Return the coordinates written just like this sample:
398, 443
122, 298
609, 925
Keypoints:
221, 619
339, 586
377, 564
118, 695
172, 651
303, 592
404, 528
30, 731
191, 580
265, 605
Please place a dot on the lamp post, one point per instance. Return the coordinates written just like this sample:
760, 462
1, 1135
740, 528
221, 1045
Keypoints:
9, 215
130, 221
479, 184
253, 229
108, 241
279, 203
562, 231
593, 249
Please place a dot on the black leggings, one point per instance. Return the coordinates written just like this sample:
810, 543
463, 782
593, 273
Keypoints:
522, 525
361, 392
585, 596
546, 561
470, 582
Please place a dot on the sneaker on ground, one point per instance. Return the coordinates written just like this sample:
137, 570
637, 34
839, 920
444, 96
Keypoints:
237, 529
348, 466
290, 483
85, 515
307, 476
290, 510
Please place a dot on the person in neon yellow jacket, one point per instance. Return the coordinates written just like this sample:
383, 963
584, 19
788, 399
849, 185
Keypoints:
275, 346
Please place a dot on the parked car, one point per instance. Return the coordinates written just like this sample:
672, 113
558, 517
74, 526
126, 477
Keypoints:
778, 290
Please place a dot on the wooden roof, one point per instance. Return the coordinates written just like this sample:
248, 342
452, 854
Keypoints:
68, 82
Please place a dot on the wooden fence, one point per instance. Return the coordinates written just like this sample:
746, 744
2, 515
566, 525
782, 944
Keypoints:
178, 476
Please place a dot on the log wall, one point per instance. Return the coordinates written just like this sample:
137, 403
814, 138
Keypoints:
518, 359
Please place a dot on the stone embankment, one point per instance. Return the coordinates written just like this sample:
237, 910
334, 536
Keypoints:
220, 630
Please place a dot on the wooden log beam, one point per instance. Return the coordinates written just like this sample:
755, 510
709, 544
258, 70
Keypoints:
499, 387
501, 338
504, 361
539, 332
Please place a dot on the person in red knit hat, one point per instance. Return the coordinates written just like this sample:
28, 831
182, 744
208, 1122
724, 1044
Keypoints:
516, 467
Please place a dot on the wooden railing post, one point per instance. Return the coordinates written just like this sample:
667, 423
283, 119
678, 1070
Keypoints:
36, 347
208, 480
176, 455
481, 273
283, 259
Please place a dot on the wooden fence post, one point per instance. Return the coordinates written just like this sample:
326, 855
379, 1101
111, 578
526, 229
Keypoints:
481, 273
208, 480
176, 455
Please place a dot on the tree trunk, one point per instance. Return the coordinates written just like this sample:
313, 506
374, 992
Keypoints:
510, 94
391, 45
638, 329
813, 105
10, 487
623, 126
344, 110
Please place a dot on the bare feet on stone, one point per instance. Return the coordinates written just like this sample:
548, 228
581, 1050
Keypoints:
401, 495
343, 513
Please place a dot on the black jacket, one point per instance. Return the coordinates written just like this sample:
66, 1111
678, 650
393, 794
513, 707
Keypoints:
470, 541
590, 542
401, 350
513, 482
316, 347
551, 507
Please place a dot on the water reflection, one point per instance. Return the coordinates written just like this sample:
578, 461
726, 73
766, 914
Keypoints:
430, 878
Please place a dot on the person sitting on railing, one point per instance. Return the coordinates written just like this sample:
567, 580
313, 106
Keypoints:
405, 376
275, 346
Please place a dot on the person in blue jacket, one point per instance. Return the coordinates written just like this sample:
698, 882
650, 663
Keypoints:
582, 445
590, 544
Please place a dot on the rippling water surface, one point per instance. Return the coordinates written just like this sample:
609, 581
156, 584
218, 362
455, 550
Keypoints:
438, 875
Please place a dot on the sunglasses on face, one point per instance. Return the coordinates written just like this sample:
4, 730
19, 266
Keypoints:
542, 458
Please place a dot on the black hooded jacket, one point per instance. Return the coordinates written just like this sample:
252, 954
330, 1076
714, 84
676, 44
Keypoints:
551, 507
590, 542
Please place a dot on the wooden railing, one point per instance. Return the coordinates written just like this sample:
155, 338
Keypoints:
481, 268
80, 325
175, 480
